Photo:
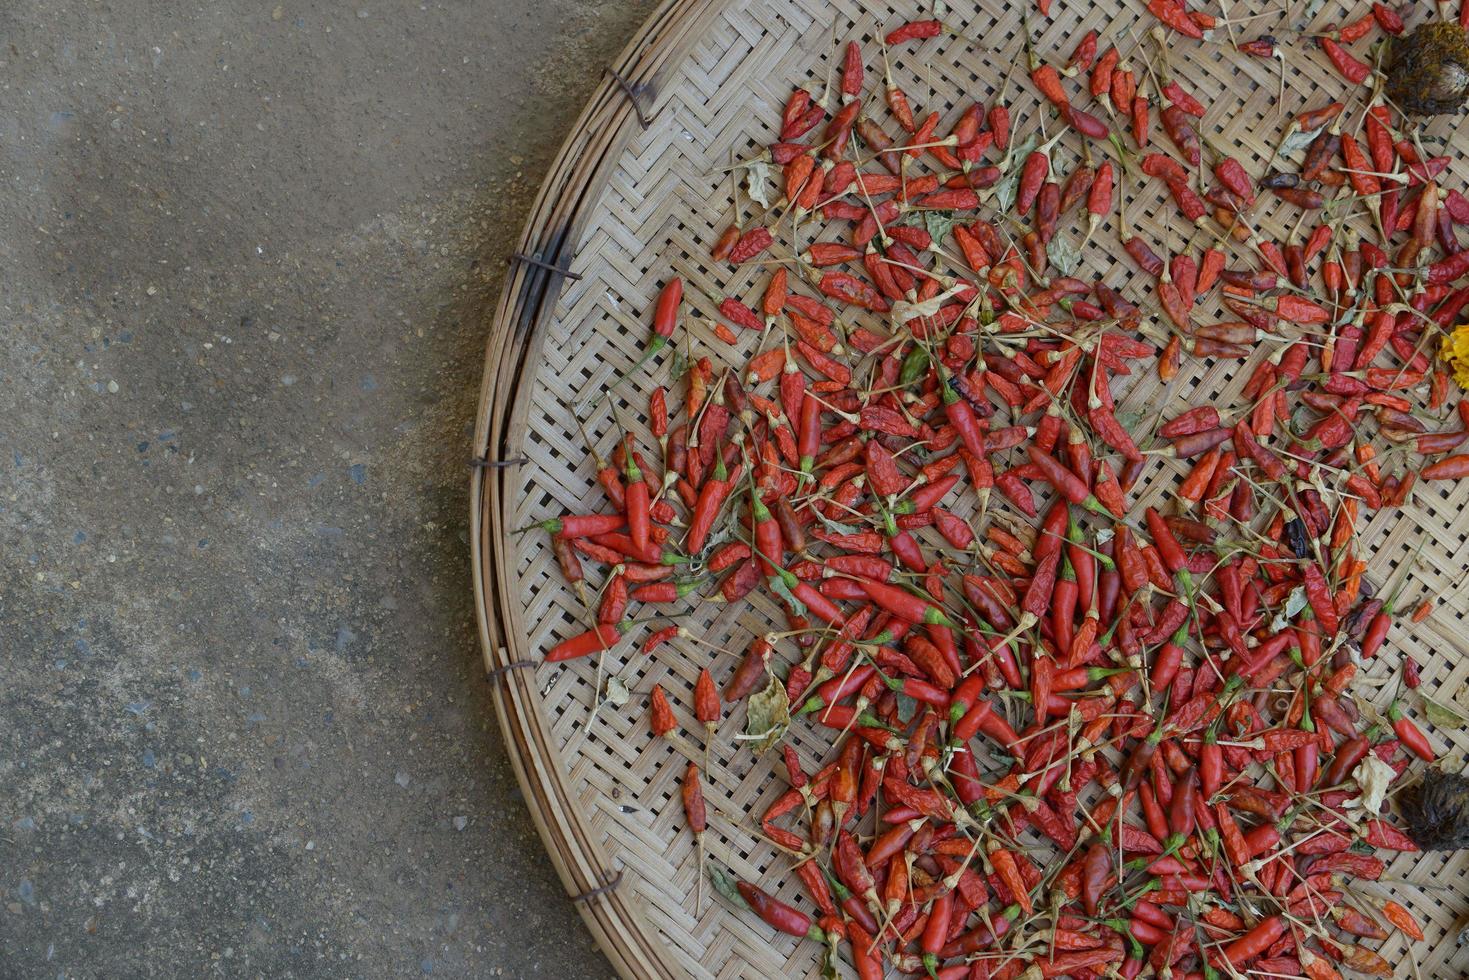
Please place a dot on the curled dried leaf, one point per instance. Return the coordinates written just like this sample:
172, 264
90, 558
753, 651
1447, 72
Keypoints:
726, 885
1064, 254
767, 717
758, 182
1374, 777
1443, 716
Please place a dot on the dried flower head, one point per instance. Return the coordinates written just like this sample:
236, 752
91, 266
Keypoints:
1430, 69
1455, 352
1437, 811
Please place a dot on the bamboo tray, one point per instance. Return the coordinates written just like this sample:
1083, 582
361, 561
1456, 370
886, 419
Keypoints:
633, 198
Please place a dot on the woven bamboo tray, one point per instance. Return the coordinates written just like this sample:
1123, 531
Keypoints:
635, 197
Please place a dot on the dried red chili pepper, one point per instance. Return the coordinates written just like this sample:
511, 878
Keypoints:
751, 244
914, 30
1174, 16
1344, 62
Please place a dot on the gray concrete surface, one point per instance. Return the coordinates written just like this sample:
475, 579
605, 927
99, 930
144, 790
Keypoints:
245, 252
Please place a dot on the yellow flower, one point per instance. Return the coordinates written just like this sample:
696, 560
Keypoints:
1455, 352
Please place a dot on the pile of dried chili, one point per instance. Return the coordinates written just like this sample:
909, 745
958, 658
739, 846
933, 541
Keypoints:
1071, 735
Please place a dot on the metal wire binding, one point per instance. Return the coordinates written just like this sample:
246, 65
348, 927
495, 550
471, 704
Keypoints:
632, 93
499, 672
595, 892
541, 263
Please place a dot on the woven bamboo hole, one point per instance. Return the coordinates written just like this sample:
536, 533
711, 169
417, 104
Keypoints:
626, 207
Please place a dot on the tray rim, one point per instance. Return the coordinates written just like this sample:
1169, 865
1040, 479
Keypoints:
573, 185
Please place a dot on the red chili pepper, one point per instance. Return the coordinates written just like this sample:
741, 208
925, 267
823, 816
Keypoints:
1033, 174
1379, 833
849, 289
1140, 111
914, 30
778, 915
1048, 82
1410, 735
1301, 197
662, 720
795, 110
1181, 98
1100, 82
1321, 153
1076, 187
1452, 468
751, 244
1234, 177
1143, 255
1099, 198
726, 241
1345, 63
1174, 16
1181, 133
706, 700
601, 638
1007, 868
852, 71
1255, 942
838, 132
1357, 29
1085, 123
693, 802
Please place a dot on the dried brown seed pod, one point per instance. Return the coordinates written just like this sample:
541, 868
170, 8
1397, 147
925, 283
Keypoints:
1437, 811
1429, 74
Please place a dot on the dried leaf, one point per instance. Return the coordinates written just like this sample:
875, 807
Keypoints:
1009, 184
725, 884
907, 708
1302, 419
767, 716
1063, 253
758, 182
725, 531
779, 587
1005, 192
903, 311
938, 224
1130, 420
678, 365
1374, 777
616, 693
830, 958
835, 527
1442, 716
1020, 152
1294, 604
1298, 140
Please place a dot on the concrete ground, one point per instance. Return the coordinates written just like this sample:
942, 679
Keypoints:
245, 254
